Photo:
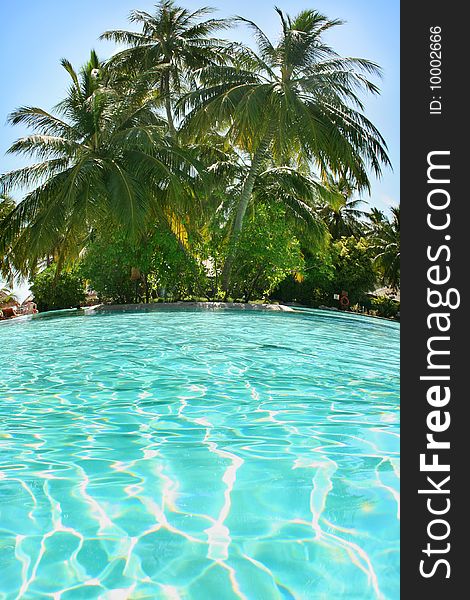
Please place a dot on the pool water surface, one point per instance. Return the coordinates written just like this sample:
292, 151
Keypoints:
200, 455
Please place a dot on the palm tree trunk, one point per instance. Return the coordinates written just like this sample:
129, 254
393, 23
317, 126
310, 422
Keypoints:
168, 108
247, 190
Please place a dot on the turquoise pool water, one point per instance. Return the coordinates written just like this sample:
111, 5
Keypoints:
200, 455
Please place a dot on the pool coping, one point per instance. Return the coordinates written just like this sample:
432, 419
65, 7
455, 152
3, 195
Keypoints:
101, 308
156, 306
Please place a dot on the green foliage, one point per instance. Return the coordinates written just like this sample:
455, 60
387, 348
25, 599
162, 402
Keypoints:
295, 100
233, 148
7, 296
7, 204
385, 248
101, 156
354, 271
346, 265
266, 253
177, 275
341, 211
67, 290
385, 307
291, 94
316, 287
107, 266
175, 40
161, 266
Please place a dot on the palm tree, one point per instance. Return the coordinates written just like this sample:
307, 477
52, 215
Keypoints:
376, 217
296, 191
172, 44
298, 194
102, 157
341, 211
7, 297
7, 205
295, 97
386, 249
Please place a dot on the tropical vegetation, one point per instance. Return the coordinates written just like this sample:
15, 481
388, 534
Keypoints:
189, 166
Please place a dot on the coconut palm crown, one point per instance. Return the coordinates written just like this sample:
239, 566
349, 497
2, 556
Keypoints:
172, 44
386, 248
294, 97
341, 211
101, 157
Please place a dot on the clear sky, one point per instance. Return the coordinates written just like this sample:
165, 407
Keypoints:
35, 35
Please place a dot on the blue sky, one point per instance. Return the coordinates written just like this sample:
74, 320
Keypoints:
36, 35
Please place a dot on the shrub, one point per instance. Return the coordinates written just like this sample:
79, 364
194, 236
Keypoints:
67, 290
107, 266
315, 288
160, 265
354, 270
385, 307
177, 274
346, 265
266, 253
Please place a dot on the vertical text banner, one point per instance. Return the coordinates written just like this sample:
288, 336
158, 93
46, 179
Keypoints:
435, 326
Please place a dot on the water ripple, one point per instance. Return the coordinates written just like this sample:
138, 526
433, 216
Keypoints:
200, 455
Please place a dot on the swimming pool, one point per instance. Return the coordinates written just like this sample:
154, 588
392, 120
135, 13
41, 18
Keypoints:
200, 455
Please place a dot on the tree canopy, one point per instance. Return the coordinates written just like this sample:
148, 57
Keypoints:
183, 146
